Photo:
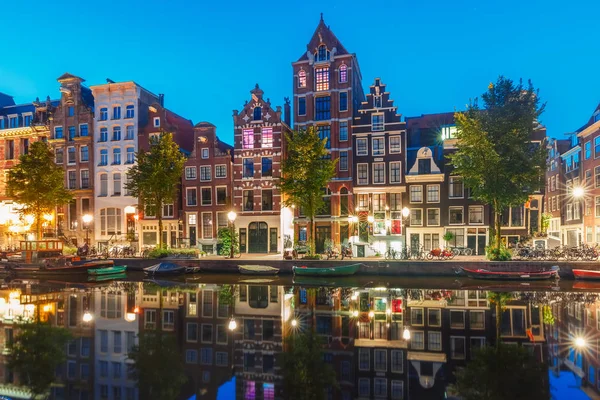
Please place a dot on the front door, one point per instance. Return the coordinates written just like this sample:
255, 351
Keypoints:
273, 240
322, 233
258, 237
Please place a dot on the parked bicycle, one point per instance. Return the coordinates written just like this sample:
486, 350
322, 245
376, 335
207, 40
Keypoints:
440, 254
391, 254
462, 251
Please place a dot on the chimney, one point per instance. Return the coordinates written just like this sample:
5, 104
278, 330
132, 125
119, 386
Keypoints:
287, 114
161, 99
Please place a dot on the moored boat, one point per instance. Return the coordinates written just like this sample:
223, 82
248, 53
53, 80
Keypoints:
586, 274
93, 263
257, 270
104, 278
343, 270
481, 273
116, 269
165, 268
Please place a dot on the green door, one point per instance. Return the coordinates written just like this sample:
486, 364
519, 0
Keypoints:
273, 240
258, 237
322, 233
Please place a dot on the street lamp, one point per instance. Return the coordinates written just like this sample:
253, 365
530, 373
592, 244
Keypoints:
232, 325
87, 218
406, 334
87, 317
231, 216
578, 192
405, 212
580, 342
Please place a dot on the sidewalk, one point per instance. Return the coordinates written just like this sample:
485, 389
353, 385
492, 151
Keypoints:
278, 256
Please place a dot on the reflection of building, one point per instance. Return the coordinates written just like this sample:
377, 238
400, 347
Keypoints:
258, 144
554, 189
206, 188
379, 140
259, 311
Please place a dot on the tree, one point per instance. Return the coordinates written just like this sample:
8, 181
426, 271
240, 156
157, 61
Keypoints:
37, 183
306, 171
37, 350
504, 372
225, 238
155, 179
306, 374
499, 300
495, 155
159, 369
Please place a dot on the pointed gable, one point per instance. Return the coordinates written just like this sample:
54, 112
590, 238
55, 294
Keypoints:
68, 76
323, 35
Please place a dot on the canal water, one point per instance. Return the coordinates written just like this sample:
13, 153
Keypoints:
240, 337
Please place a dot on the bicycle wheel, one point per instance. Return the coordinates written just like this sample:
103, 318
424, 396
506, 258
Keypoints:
467, 252
450, 254
429, 256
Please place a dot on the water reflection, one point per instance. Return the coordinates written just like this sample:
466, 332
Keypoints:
381, 341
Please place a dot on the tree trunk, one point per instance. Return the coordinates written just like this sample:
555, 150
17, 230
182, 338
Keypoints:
38, 225
498, 322
498, 223
160, 228
312, 235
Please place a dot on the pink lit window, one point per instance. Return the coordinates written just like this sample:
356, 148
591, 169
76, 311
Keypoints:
249, 390
302, 79
248, 139
267, 137
343, 73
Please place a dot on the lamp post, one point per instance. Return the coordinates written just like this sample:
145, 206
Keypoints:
87, 218
231, 216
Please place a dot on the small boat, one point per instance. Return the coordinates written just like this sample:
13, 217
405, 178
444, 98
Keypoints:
586, 274
93, 263
165, 268
329, 271
192, 270
257, 270
108, 270
104, 278
481, 273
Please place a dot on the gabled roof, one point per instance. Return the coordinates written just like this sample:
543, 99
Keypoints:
430, 120
6, 100
323, 34
67, 76
562, 145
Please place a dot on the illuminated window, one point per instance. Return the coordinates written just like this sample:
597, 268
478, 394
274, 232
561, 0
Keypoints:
302, 79
322, 79
248, 138
322, 53
267, 137
343, 73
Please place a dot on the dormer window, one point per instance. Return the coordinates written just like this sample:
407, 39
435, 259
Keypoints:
302, 79
377, 122
156, 122
257, 114
343, 73
322, 53
377, 101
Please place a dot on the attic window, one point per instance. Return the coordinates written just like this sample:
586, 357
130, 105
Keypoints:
597, 117
322, 53
343, 73
302, 78
156, 122
257, 113
377, 101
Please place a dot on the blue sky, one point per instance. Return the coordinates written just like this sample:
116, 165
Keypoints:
206, 56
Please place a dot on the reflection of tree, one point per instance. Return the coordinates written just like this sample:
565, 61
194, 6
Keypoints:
499, 299
503, 372
306, 374
36, 352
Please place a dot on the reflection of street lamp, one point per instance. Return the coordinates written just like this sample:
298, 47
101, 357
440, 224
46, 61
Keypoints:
231, 216
87, 218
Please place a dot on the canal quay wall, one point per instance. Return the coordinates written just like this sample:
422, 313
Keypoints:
369, 267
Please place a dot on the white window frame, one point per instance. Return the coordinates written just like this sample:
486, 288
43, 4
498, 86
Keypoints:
410, 194
463, 215
399, 163
373, 172
192, 168
187, 202
450, 181
411, 220
368, 351
429, 341
206, 167
204, 151
482, 215
347, 163
366, 153
439, 311
380, 128
471, 312
156, 122
439, 217
358, 182
216, 169
211, 197
399, 144
381, 148
438, 194
452, 338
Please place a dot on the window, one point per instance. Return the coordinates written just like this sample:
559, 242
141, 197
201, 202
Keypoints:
361, 147
434, 341
362, 171
380, 360
433, 193
248, 138
207, 333
103, 135
191, 356
455, 187
477, 319
103, 157
588, 150
378, 173
84, 154
364, 389
457, 347
13, 122
377, 101
206, 193
129, 132
192, 332
267, 137
206, 356
9, 150
364, 361
395, 172
103, 114
116, 112
396, 361
322, 79
116, 133
416, 316
597, 147
457, 319
416, 194
597, 204
110, 221
395, 145
248, 168
416, 217
220, 171
397, 390
72, 180
343, 161
27, 120
418, 341
117, 342
377, 122
343, 101
156, 122
325, 133
130, 156
322, 108
456, 215
222, 196
129, 111
191, 196
302, 78
343, 73
267, 200
72, 133
301, 105
475, 214
267, 166
378, 146
71, 155
343, 131
248, 200
205, 173
116, 156
257, 114
71, 111
59, 156
103, 184
221, 358
104, 341
190, 173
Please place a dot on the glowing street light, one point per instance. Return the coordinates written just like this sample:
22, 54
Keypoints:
355, 313
406, 334
294, 322
87, 218
580, 342
578, 192
371, 314
405, 212
232, 325
87, 317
